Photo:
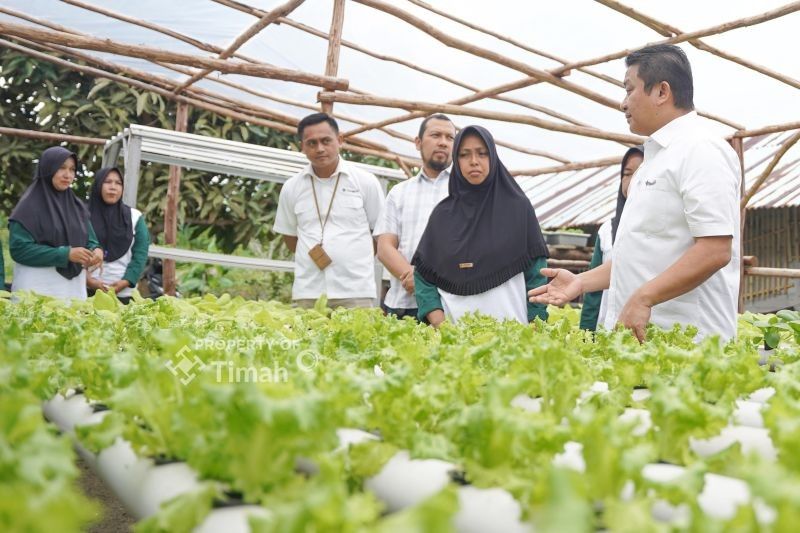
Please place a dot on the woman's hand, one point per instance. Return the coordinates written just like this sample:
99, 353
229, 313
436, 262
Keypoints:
81, 256
120, 285
96, 284
97, 258
435, 318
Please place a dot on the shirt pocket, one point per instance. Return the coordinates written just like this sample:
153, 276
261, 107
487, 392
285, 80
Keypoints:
306, 213
659, 207
350, 209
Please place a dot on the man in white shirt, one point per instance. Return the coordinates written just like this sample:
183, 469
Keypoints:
676, 256
326, 214
408, 207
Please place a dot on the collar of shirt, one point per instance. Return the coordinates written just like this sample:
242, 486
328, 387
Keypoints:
443, 174
674, 129
341, 166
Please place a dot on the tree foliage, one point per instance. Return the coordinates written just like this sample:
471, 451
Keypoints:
37, 95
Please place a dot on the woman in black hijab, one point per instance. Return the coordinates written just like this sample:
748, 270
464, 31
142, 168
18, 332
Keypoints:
594, 306
122, 233
50, 237
482, 248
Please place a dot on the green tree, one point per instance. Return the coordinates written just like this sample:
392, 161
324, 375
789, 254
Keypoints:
37, 95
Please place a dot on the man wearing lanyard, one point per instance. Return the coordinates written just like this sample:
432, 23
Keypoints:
676, 256
408, 207
325, 214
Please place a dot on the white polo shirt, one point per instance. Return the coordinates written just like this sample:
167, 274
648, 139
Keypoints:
408, 207
688, 186
348, 236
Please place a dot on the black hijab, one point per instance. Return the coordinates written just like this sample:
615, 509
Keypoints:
55, 218
112, 223
621, 197
480, 236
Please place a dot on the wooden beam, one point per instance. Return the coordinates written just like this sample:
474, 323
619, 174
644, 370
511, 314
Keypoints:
676, 36
597, 163
787, 144
155, 54
137, 22
738, 147
480, 95
196, 92
53, 137
222, 111
766, 130
360, 99
541, 75
334, 45
171, 209
383, 57
514, 42
773, 272
249, 33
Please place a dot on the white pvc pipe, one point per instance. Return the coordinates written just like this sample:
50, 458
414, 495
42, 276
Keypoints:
403, 482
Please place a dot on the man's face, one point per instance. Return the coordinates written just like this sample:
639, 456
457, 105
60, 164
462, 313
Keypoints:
436, 144
321, 145
639, 107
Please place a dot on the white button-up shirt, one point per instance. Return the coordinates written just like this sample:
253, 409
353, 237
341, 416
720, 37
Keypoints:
687, 187
347, 238
408, 207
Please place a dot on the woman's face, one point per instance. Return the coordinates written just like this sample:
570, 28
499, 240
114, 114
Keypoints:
473, 159
111, 190
65, 175
631, 165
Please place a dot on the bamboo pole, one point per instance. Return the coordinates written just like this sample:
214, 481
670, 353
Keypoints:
486, 93
280, 11
545, 76
404, 167
222, 111
767, 171
201, 93
738, 147
48, 136
514, 42
261, 111
766, 130
597, 163
334, 45
693, 37
138, 22
773, 272
360, 99
171, 209
196, 92
154, 54
348, 44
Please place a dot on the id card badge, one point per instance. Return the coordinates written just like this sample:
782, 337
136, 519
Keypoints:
320, 257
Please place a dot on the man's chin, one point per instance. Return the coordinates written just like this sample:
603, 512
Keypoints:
437, 166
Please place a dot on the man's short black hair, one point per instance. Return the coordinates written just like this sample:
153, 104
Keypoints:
435, 116
665, 62
316, 118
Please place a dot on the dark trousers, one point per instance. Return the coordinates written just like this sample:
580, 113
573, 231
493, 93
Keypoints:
400, 313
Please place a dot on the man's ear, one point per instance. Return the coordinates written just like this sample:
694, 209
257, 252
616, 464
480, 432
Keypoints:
418, 143
340, 138
664, 94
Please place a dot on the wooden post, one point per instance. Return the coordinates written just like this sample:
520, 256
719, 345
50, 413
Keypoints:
739, 148
334, 45
171, 210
